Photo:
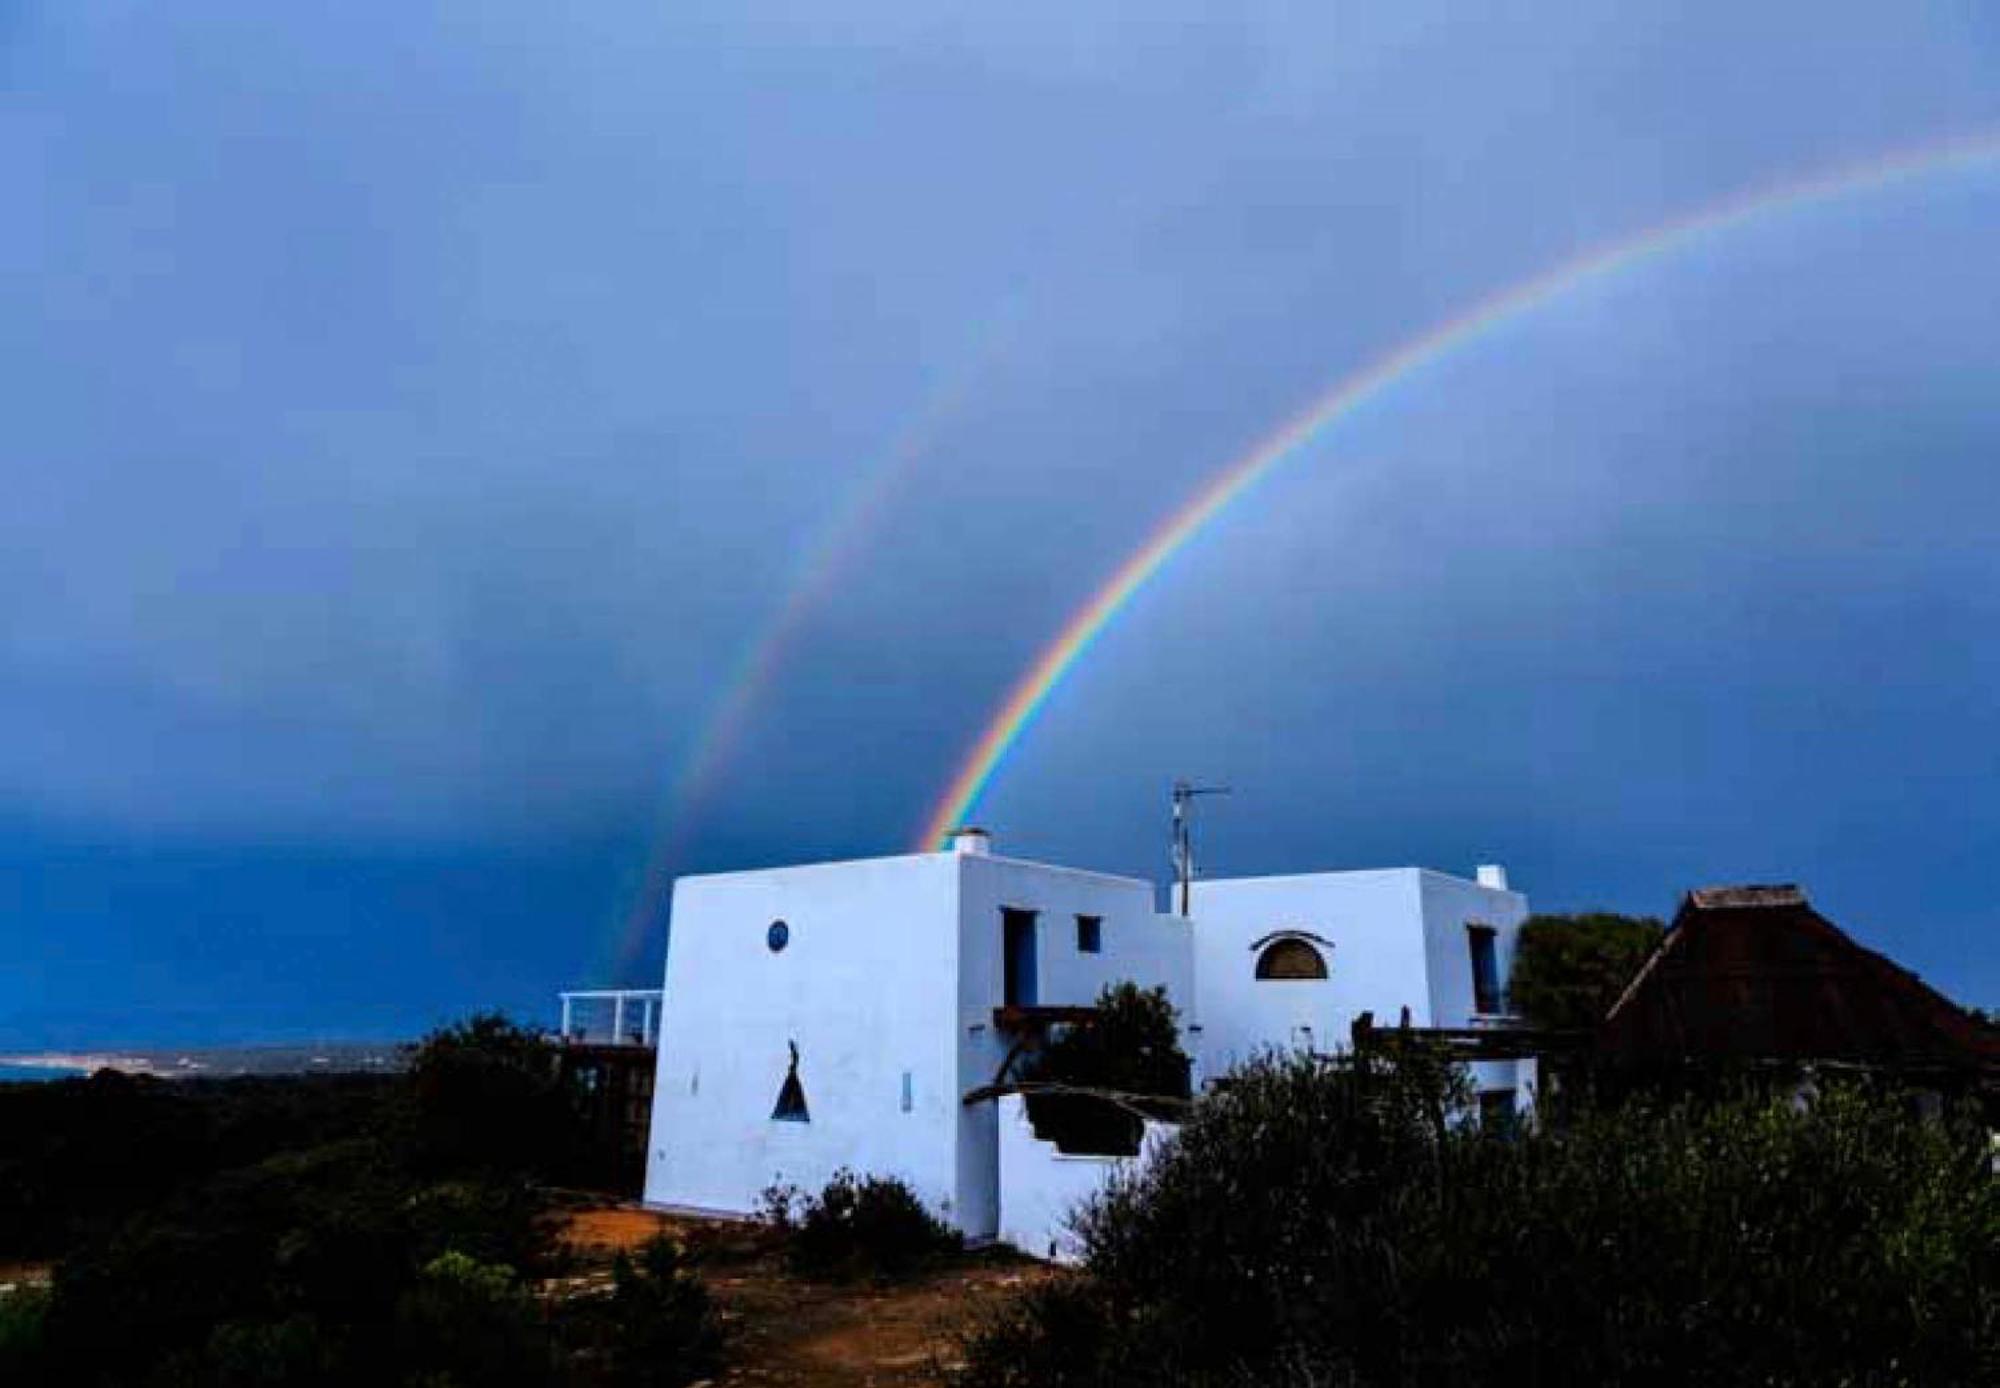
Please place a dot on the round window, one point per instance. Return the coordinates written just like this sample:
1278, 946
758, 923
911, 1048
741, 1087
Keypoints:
778, 936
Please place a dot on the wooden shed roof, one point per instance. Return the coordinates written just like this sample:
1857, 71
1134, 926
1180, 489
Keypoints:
1755, 973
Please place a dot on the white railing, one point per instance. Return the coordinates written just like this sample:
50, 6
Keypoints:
581, 1006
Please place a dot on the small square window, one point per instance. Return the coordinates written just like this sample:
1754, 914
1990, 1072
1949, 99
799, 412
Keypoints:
1089, 934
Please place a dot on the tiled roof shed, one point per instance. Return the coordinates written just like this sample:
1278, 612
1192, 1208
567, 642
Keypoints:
1754, 973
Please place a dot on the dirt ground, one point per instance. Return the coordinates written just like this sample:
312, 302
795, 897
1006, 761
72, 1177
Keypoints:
14, 1275
784, 1331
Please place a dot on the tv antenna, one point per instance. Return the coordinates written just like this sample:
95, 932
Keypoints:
1184, 798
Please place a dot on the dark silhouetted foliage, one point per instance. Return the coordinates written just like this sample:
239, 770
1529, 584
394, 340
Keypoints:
462, 1321
1569, 970
23, 1332
657, 1329
486, 1096
1326, 1222
1133, 1048
859, 1226
306, 1256
69, 1164
400, 1252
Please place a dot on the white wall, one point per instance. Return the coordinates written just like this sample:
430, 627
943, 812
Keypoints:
1450, 905
893, 968
1375, 923
866, 987
1137, 945
1041, 1185
892, 974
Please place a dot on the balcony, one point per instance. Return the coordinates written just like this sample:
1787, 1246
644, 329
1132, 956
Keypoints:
611, 1017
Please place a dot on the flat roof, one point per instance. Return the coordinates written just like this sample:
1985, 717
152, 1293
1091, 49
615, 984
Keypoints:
824, 864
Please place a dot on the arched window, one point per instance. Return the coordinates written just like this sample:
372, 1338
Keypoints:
1290, 958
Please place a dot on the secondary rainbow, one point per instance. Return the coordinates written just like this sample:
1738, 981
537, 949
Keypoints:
1030, 693
819, 565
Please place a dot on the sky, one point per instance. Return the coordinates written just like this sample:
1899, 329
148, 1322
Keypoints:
414, 414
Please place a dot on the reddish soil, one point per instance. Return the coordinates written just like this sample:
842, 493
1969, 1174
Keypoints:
23, 1274
784, 1331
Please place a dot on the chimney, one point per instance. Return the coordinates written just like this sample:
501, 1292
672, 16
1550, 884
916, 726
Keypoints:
1493, 875
973, 842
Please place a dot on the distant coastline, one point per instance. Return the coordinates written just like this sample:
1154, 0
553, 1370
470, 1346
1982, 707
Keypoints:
209, 1062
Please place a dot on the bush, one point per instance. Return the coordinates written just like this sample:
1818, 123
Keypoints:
67, 1173
859, 1226
471, 1323
1569, 970
262, 1354
398, 1253
485, 1096
1323, 1223
311, 1258
657, 1329
1132, 1048
23, 1318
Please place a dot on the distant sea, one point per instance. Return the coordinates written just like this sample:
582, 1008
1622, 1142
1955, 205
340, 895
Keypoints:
38, 1072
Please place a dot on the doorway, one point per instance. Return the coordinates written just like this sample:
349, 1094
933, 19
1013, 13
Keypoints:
1018, 957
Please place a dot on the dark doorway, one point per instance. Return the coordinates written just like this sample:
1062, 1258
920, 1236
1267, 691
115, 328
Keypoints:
1019, 963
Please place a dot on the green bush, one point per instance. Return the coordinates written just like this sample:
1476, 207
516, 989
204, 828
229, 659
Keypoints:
67, 1173
23, 1334
1569, 970
264, 1354
859, 1226
657, 1329
381, 1233
484, 1096
472, 1323
1132, 1048
1329, 1223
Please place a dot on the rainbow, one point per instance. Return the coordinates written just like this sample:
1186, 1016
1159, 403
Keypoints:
1030, 693
812, 579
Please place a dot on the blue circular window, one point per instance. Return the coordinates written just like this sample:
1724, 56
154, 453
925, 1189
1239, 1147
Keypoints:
778, 936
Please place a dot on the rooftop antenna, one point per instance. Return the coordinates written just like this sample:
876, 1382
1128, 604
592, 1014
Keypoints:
1184, 796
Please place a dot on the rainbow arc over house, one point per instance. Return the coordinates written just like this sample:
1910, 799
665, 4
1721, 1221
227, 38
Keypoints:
1031, 692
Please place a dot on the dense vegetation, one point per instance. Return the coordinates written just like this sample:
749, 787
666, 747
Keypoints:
1331, 1223
315, 1232
1569, 970
1131, 1049
858, 1227
79, 1157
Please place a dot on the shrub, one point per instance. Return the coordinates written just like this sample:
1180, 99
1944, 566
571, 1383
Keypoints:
320, 1232
471, 1323
859, 1226
657, 1329
485, 1097
1132, 1048
67, 1173
1323, 1223
23, 1317
335, 1257
1569, 970
263, 1354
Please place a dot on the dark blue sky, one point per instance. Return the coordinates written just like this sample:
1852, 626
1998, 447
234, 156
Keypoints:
410, 418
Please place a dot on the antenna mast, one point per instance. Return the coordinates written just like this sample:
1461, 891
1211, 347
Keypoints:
1183, 849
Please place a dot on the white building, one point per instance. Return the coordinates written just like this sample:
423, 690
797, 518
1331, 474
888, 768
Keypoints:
834, 1015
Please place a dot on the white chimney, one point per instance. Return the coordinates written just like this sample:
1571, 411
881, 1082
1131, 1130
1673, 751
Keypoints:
968, 840
1493, 875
